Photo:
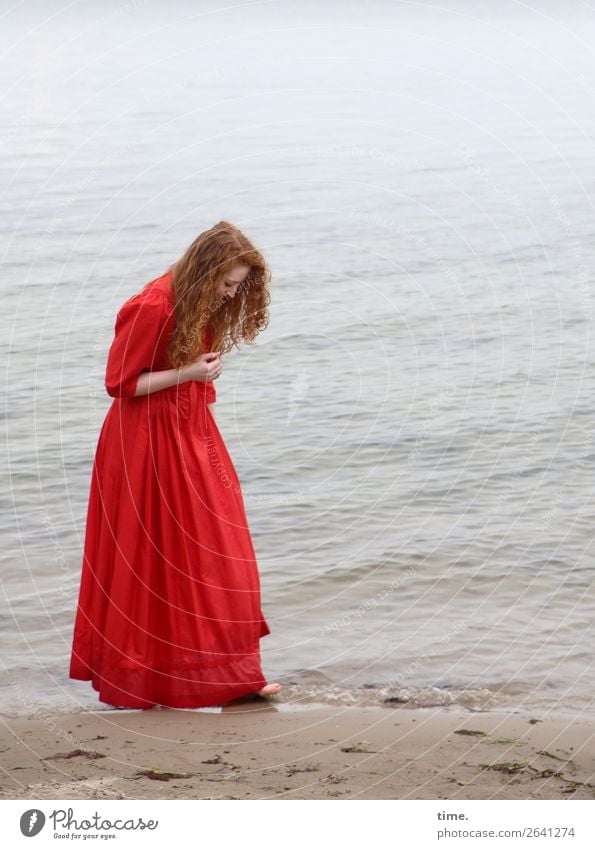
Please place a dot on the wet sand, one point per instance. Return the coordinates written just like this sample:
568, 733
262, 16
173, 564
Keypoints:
263, 749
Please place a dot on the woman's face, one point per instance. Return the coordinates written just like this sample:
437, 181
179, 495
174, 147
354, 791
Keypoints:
231, 281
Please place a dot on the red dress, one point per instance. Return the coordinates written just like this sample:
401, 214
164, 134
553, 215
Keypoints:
169, 606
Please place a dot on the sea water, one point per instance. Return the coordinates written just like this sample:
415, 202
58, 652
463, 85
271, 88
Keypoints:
414, 431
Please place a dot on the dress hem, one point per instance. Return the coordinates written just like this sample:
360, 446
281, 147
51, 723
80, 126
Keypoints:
202, 686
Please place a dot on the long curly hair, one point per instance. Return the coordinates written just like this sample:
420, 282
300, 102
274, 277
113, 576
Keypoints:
197, 307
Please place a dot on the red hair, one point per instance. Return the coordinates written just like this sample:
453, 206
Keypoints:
196, 276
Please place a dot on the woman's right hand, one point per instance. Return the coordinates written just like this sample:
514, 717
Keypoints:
206, 367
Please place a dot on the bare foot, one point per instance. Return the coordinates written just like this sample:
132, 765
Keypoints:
270, 690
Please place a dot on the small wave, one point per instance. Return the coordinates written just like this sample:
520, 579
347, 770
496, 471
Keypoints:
374, 695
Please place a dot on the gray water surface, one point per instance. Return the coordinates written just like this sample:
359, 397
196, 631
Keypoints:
414, 431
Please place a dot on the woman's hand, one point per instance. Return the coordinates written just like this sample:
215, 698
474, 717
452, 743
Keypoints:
206, 367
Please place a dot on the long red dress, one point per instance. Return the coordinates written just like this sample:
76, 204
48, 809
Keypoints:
169, 605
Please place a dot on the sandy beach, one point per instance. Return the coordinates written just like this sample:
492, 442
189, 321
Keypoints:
264, 749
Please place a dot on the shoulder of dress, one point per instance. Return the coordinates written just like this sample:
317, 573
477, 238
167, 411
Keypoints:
151, 297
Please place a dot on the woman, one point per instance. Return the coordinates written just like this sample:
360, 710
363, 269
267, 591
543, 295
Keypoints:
169, 606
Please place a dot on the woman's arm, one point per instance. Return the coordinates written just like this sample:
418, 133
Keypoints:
139, 325
212, 409
206, 367
152, 381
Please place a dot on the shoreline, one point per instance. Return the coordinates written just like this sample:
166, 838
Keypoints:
266, 749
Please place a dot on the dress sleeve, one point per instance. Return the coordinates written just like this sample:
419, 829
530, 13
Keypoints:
138, 333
